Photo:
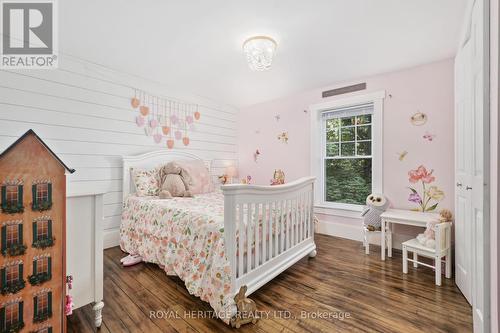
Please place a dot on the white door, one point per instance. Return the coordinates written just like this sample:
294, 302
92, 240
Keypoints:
480, 167
463, 171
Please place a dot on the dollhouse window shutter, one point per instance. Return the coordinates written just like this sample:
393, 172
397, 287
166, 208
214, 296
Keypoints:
49, 267
49, 301
4, 197
49, 229
20, 196
2, 318
20, 233
34, 267
21, 271
4, 238
33, 193
35, 236
49, 193
4, 278
35, 306
20, 313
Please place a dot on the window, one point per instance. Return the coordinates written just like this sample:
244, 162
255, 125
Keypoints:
42, 265
42, 192
12, 195
12, 235
11, 314
12, 199
43, 304
12, 274
42, 229
42, 196
346, 150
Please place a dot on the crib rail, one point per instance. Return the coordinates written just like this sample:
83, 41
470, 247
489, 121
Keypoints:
267, 229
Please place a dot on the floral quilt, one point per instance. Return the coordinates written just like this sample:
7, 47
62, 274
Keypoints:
185, 236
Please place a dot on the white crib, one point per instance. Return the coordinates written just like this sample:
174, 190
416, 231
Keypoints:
244, 206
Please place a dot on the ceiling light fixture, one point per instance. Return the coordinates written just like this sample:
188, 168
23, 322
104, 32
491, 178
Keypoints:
260, 52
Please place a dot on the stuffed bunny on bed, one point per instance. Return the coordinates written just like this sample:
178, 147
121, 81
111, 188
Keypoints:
175, 181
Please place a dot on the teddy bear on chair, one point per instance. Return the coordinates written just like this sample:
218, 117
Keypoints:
428, 238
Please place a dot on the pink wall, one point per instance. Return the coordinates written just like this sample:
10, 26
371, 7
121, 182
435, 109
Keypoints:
428, 88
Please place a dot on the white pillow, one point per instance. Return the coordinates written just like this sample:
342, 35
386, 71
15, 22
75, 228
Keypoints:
147, 182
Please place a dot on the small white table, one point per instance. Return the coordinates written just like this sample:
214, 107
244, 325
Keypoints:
399, 216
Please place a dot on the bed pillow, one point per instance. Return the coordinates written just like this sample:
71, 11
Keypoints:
146, 182
200, 176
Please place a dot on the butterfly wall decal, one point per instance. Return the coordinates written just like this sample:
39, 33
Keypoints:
429, 137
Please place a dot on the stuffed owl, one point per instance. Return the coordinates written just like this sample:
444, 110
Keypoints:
376, 204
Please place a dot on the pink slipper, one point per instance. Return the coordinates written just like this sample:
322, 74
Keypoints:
132, 260
129, 257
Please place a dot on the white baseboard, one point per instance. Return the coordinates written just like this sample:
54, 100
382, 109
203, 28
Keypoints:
355, 232
111, 238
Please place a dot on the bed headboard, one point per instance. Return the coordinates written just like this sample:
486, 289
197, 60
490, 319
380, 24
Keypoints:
149, 161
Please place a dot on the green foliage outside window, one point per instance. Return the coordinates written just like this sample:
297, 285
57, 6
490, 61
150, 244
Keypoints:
348, 160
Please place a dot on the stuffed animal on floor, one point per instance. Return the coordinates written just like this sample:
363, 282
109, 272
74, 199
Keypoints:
428, 238
376, 204
175, 181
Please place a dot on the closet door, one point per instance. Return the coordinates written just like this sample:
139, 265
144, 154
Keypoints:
479, 187
463, 171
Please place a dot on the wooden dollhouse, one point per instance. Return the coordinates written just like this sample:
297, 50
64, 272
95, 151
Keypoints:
33, 221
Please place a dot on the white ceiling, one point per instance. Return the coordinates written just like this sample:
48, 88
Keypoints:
195, 45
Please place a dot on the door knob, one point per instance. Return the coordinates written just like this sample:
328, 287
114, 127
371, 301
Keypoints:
459, 184
468, 188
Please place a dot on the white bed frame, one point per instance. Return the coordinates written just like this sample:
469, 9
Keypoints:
243, 203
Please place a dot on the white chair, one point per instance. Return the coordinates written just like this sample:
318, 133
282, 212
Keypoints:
442, 249
367, 236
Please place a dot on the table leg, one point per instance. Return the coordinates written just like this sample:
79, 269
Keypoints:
382, 241
389, 241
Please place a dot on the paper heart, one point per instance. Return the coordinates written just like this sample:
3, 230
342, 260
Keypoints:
139, 121
144, 110
157, 137
153, 123
170, 143
135, 102
189, 119
178, 135
174, 119
165, 129
197, 115
185, 141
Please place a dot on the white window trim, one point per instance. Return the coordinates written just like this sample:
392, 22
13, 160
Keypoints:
377, 98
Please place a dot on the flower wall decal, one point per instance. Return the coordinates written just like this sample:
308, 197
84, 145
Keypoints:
430, 195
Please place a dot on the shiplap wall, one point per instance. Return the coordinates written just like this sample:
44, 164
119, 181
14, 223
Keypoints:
82, 111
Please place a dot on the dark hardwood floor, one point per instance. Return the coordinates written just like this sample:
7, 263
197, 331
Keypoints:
373, 296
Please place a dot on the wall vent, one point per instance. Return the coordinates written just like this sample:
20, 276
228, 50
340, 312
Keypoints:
344, 90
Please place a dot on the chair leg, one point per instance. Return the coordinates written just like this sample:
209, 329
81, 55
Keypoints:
437, 262
405, 260
366, 242
389, 242
415, 258
448, 264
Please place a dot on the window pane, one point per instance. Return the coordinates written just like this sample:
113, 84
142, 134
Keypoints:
332, 149
348, 180
366, 119
332, 123
332, 134
364, 148
347, 134
348, 121
348, 149
364, 132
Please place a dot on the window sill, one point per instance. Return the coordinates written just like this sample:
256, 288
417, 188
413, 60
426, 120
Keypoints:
350, 211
